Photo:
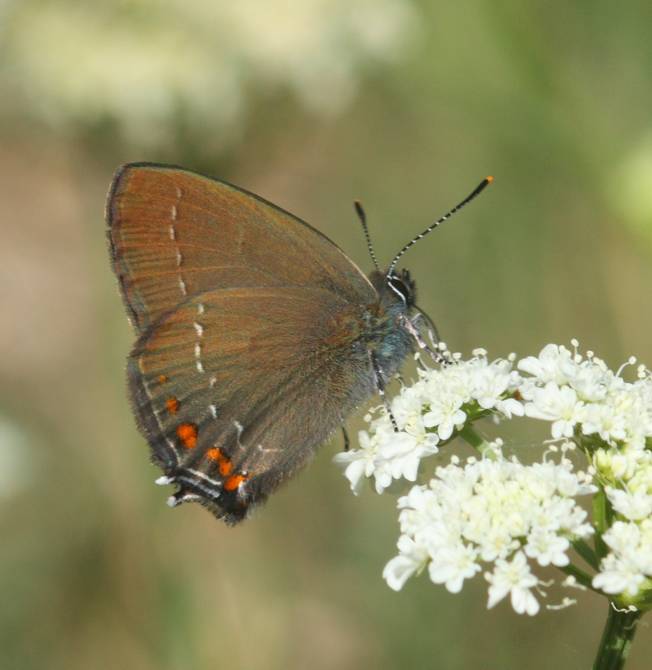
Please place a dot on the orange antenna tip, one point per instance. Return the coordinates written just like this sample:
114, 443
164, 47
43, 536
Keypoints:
490, 179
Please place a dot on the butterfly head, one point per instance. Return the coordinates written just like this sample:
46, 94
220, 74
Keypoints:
403, 287
396, 289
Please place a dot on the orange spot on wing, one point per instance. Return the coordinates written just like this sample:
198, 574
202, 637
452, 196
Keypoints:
232, 483
172, 405
187, 433
162, 379
224, 463
225, 467
214, 454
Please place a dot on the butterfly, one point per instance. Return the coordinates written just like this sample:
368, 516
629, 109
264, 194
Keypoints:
256, 335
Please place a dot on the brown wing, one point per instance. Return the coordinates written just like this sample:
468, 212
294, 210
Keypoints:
174, 234
236, 388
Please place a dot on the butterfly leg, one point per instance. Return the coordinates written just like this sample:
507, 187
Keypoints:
380, 385
432, 329
347, 441
435, 354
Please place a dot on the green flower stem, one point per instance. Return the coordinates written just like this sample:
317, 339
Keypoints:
469, 434
585, 551
616, 639
600, 521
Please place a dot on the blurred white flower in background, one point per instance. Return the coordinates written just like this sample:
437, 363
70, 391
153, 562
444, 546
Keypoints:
140, 65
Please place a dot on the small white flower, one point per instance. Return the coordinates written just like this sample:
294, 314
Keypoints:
490, 384
618, 576
510, 407
554, 364
400, 453
634, 506
358, 463
412, 558
452, 565
557, 404
514, 578
605, 420
547, 548
629, 564
592, 381
446, 417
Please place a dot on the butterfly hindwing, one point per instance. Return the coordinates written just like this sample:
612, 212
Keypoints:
236, 388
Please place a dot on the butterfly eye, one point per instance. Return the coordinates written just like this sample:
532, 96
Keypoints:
402, 288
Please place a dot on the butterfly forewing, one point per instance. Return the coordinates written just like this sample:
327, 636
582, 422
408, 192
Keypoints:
174, 234
236, 388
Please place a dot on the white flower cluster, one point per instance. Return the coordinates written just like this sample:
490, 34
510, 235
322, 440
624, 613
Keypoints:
627, 568
577, 393
493, 511
497, 511
627, 478
427, 414
612, 419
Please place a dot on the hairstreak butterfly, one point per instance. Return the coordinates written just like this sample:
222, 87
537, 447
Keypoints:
257, 335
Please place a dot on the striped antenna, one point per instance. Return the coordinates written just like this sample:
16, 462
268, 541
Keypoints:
476, 192
363, 220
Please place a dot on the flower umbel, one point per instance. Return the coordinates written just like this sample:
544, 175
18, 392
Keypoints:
428, 414
495, 515
492, 511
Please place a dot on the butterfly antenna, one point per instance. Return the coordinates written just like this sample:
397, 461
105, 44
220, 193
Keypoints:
363, 220
474, 194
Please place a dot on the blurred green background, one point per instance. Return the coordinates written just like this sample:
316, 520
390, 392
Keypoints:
405, 105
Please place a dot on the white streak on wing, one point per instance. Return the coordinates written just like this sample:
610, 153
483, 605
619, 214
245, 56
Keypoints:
204, 476
199, 329
198, 362
239, 427
265, 451
173, 237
